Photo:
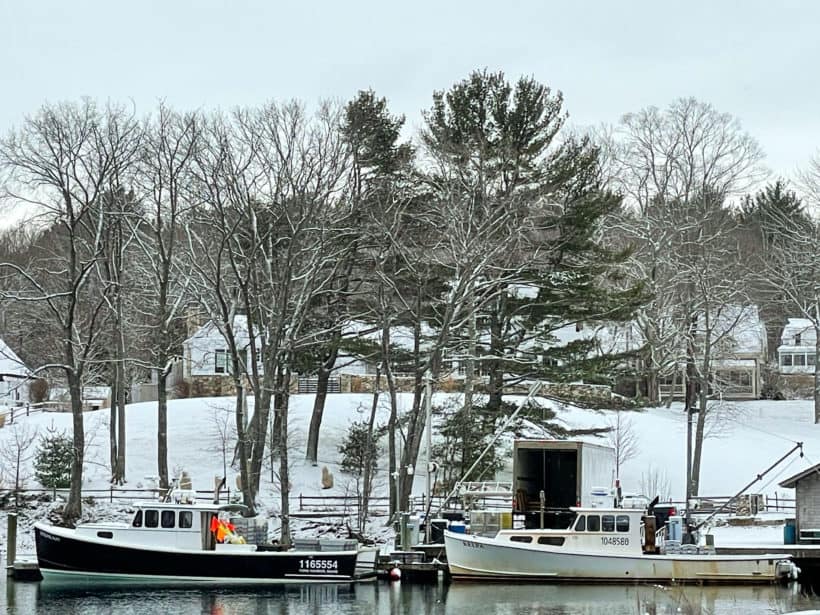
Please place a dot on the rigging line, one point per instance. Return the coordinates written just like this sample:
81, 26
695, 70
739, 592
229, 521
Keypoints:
778, 475
768, 433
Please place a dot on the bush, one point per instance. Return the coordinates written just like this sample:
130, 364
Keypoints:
38, 390
52, 462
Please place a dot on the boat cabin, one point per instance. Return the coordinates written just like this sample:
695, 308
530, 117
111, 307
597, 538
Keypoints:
616, 530
170, 524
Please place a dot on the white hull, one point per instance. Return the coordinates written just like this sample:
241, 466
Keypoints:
475, 557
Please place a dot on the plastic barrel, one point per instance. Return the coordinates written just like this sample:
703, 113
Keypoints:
790, 532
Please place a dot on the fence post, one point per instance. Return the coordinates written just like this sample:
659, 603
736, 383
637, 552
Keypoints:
28, 409
111, 494
11, 415
301, 504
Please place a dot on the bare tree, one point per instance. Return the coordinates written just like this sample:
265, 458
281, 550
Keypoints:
16, 453
623, 438
165, 173
62, 161
790, 263
679, 166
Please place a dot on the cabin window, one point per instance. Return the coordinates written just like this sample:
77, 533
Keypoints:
105, 534
137, 522
593, 523
151, 518
555, 541
168, 518
186, 518
520, 538
581, 525
608, 523
622, 523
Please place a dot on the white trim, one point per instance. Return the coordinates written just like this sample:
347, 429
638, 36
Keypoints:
97, 577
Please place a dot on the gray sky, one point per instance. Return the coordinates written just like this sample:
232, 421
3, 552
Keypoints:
757, 60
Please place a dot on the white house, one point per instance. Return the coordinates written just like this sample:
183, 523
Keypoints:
796, 353
15, 377
206, 352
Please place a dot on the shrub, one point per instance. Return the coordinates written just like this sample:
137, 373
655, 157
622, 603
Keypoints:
38, 390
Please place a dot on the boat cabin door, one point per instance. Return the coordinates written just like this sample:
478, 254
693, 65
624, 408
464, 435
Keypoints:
208, 537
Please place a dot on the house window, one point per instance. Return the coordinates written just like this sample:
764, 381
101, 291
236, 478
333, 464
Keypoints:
809, 359
220, 362
799, 360
786, 360
797, 339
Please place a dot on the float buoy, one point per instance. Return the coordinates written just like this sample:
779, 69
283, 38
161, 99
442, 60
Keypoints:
395, 574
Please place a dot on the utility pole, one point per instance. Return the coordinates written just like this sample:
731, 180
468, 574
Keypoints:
428, 383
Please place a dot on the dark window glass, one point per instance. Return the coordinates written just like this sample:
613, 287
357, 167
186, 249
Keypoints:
105, 534
622, 523
787, 360
186, 518
555, 541
593, 523
168, 518
608, 523
799, 359
520, 538
151, 518
137, 519
809, 359
581, 526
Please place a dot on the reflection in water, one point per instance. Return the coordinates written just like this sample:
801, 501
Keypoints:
395, 599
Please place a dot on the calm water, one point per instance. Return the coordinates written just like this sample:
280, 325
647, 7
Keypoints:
395, 599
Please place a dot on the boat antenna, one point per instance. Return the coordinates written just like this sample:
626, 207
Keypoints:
536, 386
798, 445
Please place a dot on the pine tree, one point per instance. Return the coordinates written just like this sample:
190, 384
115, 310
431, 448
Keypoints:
52, 463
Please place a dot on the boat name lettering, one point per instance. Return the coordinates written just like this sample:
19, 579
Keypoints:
472, 545
618, 541
327, 566
50, 536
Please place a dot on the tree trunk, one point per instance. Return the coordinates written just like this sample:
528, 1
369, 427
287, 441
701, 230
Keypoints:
392, 422
242, 448
118, 397
367, 477
259, 428
817, 375
73, 507
162, 430
284, 477
323, 380
495, 366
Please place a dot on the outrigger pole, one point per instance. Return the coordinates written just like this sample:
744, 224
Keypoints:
798, 445
532, 393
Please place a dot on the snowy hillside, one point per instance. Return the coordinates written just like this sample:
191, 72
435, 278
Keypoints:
750, 437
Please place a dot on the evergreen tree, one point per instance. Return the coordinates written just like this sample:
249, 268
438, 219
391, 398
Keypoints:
52, 463
501, 143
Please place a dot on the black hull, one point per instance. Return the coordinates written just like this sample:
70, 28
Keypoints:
61, 556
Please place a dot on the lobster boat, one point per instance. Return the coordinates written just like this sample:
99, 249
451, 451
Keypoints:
604, 545
180, 541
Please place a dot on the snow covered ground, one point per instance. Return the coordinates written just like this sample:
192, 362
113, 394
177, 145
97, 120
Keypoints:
749, 437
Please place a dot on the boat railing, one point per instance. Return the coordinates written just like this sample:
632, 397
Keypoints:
660, 537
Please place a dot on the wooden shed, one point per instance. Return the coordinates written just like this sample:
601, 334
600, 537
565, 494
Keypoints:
806, 487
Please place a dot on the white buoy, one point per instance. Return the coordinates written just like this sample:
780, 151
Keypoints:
395, 574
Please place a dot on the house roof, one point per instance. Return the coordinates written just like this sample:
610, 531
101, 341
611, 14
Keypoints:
790, 482
10, 363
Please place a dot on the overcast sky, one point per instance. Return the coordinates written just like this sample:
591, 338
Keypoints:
755, 59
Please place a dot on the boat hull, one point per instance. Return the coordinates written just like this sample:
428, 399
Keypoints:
63, 556
479, 558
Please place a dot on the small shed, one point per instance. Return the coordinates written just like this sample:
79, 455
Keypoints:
806, 485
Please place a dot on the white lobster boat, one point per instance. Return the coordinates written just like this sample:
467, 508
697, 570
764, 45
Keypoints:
603, 545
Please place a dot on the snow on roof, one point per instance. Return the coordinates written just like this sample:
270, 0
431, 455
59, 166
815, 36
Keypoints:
209, 329
10, 363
